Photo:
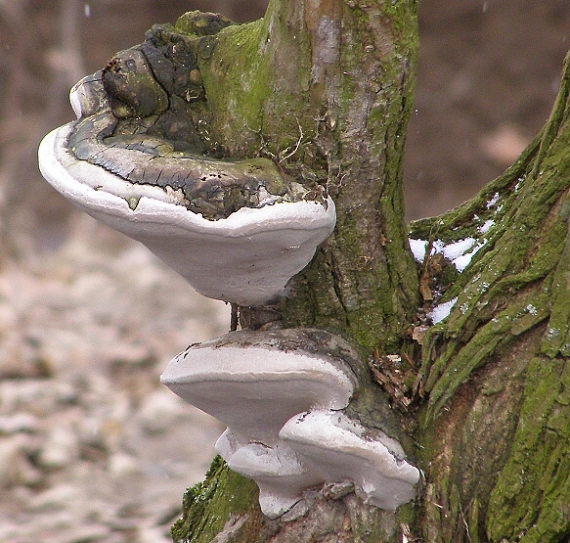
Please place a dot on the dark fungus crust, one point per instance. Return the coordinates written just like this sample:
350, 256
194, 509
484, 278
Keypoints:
145, 119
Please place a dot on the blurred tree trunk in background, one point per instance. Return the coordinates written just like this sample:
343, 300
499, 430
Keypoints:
482, 398
42, 59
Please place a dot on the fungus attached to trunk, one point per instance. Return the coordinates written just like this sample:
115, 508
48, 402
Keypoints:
140, 158
236, 230
267, 377
278, 471
338, 448
280, 393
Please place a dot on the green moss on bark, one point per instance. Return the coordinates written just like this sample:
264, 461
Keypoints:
325, 88
209, 505
515, 281
493, 442
496, 425
373, 279
234, 73
531, 500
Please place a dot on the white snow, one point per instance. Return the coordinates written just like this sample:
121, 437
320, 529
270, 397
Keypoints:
418, 247
486, 226
441, 311
458, 249
463, 261
493, 201
456, 252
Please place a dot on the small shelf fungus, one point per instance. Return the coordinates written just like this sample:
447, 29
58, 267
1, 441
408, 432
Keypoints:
280, 393
339, 448
236, 230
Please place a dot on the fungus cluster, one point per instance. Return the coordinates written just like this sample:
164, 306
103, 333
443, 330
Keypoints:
236, 230
281, 394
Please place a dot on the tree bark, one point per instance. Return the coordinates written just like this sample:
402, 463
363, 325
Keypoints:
496, 372
481, 400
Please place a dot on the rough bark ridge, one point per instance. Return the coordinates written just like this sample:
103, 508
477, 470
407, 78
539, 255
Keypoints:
497, 422
324, 88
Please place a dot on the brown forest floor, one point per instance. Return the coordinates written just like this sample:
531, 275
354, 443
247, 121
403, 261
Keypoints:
91, 447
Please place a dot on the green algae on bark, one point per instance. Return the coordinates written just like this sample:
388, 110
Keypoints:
222, 498
495, 428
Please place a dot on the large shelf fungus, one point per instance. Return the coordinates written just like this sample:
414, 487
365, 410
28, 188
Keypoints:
236, 230
140, 159
281, 394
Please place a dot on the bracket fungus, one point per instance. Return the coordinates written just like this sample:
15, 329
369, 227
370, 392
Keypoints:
140, 159
135, 158
339, 448
280, 393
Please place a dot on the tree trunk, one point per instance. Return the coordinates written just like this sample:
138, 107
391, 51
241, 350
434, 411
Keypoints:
481, 400
496, 373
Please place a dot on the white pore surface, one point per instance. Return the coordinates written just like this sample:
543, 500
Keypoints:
284, 428
337, 449
247, 258
254, 390
279, 473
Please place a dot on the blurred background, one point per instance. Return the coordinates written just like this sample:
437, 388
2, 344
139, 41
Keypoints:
92, 448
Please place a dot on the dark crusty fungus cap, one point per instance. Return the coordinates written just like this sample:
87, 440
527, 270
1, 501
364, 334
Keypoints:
134, 159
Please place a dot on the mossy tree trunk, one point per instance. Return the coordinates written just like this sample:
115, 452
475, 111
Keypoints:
496, 373
480, 401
